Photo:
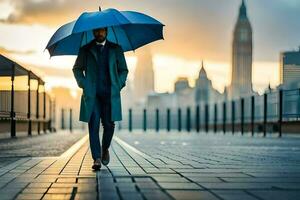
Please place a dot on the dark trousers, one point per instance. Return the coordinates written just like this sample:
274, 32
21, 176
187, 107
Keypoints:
102, 109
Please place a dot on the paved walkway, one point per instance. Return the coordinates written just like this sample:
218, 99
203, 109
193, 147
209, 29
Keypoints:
162, 166
49, 144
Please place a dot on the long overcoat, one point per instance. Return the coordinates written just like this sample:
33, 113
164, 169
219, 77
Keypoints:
85, 73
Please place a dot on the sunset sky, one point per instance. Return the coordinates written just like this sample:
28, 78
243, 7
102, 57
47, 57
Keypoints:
195, 30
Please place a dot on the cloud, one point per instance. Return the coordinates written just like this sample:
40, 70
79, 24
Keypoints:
195, 29
46, 71
3, 50
48, 12
56, 12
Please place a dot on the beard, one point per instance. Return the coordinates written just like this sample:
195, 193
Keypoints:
100, 39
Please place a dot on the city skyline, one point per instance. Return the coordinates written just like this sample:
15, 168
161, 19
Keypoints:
206, 43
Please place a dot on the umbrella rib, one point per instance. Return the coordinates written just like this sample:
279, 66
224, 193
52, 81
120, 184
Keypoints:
128, 39
115, 34
119, 25
54, 47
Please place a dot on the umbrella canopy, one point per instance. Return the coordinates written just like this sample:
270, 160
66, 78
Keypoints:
129, 29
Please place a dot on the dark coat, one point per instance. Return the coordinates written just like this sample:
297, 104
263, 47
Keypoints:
87, 62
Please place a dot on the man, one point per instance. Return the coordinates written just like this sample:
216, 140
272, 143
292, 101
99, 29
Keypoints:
105, 75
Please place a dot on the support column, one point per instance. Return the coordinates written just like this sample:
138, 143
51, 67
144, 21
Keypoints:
29, 106
37, 107
50, 115
12, 111
44, 110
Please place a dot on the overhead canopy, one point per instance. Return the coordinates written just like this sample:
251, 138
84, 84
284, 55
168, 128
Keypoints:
6, 69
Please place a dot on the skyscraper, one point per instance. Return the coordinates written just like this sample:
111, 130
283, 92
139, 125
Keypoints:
241, 75
290, 69
204, 90
143, 75
203, 86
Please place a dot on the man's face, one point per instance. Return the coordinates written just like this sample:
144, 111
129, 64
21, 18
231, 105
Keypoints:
100, 34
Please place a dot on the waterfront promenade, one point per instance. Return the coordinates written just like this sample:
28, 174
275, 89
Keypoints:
161, 166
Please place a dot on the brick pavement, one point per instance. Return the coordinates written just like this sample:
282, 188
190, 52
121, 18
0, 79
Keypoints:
162, 166
49, 144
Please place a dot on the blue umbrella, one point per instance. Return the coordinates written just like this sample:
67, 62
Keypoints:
129, 29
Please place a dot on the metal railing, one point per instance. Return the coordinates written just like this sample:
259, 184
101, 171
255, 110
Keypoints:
263, 113
69, 119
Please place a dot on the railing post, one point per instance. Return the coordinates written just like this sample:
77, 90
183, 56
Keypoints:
44, 110
179, 119
130, 120
145, 119
168, 120
232, 116
224, 117
62, 119
120, 126
242, 115
29, 131
71, 128
252, 114
54, 119
215, 117
265, 114
188, 119
37, 107
12, 111
298, 110
157, 120
206, 118
198, 118
280, 112
50, 115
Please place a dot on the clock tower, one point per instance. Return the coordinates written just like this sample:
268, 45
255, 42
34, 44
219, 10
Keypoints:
241, 74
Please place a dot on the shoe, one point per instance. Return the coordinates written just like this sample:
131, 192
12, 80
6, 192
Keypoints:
105, 157
97, 164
